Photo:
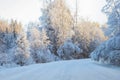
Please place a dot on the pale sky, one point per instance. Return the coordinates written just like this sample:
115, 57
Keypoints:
29, 10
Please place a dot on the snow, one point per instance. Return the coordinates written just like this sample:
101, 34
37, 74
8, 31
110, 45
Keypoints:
69, 50
108, 52
83, 69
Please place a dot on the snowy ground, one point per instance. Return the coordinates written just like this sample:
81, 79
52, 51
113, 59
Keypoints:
84, 69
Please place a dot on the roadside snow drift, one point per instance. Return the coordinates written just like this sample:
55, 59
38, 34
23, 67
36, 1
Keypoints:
84, 69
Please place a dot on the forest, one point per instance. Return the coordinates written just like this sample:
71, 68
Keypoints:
61, 36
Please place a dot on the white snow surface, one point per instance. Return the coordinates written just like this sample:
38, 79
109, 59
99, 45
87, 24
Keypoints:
83, 69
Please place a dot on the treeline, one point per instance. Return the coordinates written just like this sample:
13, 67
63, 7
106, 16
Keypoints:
14, 46
57, 37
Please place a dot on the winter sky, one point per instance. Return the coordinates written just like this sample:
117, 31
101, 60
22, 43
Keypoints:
29, 10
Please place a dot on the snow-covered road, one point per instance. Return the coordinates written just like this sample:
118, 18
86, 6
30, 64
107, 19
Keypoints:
84, 69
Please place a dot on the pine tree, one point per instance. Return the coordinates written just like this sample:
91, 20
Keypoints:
22, 53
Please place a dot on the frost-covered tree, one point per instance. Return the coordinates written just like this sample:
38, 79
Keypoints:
112, 10
39, 46
58, 23
22, 53
109, 51
90, 39
69, 51
61, 21
13, 43
6, 39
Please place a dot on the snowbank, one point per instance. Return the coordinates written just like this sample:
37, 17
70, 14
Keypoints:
83, 69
